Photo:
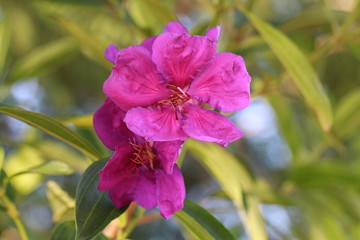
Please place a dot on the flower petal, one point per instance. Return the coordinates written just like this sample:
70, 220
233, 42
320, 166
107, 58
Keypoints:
213, 33
145, 190
210, 126
111, 52
155, 124
115, 170
147, 43
167, 153
170, 192
181, 57
109, 125
134, 80
125, 187
225, 84
175, 27
139, 189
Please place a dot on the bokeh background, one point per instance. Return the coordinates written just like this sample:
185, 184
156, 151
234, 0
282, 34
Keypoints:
295, 174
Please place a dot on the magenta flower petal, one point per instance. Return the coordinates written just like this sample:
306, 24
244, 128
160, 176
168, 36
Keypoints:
111, 52
139, 189
213, 33
134, 80
180, 57
170, 192
168, 152
109, 125
155, 124
175, 27
115, 169
225, 84
210, 126
145, 189
147, 43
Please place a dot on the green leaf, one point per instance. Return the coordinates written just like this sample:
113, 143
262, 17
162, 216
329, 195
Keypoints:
43, 58
236, 182
67, 231
298, 67
52, 168
52, 127
347, 114
201, 223
94, 210
150, 14
62, 205
92, 46
4, 41
64, 230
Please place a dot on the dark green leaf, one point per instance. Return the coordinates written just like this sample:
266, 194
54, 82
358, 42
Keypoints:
67, 231
94, 210
64, 230
52, 127
298, 67
201, 223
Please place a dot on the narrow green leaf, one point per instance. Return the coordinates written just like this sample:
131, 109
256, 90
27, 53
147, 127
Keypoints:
4, 41
43, 58
93, 209
298, 67
347, 114
201, 223
92, 46
236, 182
52, 127
53, 168
62, 205
67, 231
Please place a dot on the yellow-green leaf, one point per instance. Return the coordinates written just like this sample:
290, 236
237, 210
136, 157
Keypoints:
62, 205
236, 182
298, 67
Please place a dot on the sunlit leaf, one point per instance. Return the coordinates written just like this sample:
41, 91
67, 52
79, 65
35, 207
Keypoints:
201, 223
52, 127
24, 158
94, 209
62, 205
53, 168
236, 182
298, 67
44, 58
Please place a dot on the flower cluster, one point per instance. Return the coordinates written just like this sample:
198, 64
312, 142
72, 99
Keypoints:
159, 94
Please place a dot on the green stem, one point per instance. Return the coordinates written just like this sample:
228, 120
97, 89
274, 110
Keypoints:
14, 214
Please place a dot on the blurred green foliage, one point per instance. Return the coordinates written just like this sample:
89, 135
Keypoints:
304, 59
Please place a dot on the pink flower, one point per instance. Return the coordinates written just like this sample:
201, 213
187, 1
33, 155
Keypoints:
140, 171
163, 83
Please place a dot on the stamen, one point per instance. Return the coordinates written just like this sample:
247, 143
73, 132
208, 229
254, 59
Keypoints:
142, 156
177, 97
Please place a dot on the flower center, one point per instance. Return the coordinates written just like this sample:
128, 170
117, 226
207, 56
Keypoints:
142, 157
177, 97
